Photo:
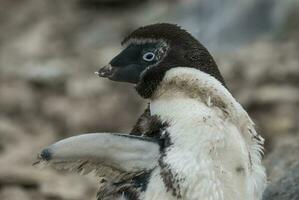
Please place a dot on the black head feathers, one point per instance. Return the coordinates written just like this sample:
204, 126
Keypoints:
179, 49
170, 33
184, 51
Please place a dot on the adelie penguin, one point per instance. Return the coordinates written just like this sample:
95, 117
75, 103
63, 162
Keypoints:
193, 142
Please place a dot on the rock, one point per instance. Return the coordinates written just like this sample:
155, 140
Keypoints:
87, 87
69, 187
22, 177
283, 170
50, 74
274, 94
14, 193
284, 156
16, 97
286, 188
45, 183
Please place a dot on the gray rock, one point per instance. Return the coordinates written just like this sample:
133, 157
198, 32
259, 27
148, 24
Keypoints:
287, 188
13, 193
283, 170
47, 74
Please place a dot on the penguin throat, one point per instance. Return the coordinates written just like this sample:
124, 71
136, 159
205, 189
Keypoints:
149, 83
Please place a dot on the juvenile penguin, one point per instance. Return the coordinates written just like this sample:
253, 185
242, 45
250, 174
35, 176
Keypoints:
194, 141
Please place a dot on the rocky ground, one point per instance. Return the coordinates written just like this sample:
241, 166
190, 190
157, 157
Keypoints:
48, 53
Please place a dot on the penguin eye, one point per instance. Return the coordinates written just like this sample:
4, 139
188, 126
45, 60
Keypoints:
149, 56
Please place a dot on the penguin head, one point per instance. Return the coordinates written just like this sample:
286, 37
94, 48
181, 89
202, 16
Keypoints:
152, 50
137, 57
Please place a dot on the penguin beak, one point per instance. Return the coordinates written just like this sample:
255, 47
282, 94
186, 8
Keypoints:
128, 73
106, 71
127, 66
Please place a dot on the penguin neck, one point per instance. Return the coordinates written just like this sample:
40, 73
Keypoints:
194, 84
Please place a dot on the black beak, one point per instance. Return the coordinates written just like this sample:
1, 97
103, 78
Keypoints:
128, 73
106, 71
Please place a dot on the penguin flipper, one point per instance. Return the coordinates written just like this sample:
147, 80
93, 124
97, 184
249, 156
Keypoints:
112, 155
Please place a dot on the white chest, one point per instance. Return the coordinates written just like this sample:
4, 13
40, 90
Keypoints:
214, 153
208, 156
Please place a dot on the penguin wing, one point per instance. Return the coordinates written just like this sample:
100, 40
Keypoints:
111, 155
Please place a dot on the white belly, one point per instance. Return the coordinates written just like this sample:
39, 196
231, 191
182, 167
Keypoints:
208, 154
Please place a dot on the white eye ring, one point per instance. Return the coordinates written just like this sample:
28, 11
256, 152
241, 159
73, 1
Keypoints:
149, 56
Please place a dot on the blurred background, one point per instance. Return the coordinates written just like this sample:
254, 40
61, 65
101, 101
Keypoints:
49, 50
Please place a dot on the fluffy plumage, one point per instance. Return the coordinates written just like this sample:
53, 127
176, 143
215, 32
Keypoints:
215, 151
199, 141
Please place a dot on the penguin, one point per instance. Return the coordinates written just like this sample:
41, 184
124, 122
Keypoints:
194, 140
